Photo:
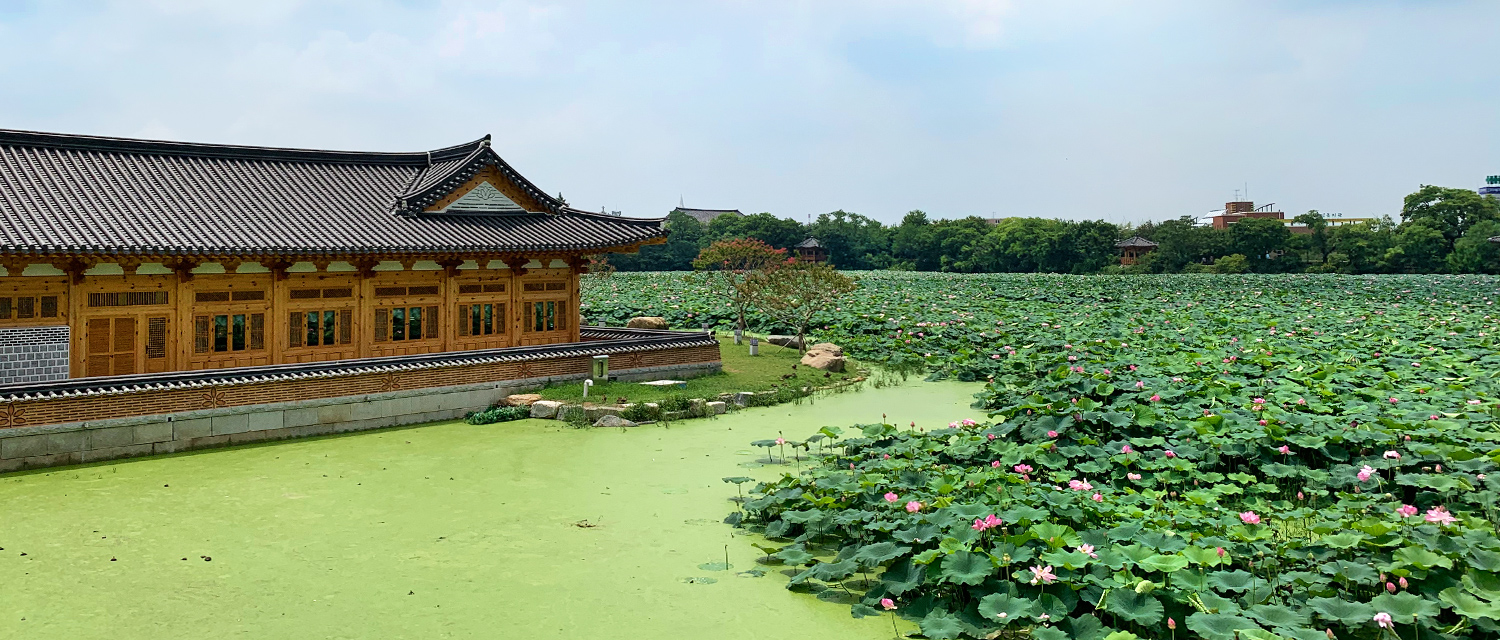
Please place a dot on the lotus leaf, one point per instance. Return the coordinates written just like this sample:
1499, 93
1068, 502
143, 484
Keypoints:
1405, 606
1219, 626
1140, 608
1003, 608
940, 625
963, 567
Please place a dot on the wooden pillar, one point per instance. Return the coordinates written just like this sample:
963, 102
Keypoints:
76, 304
448, 309
365, 306
182, 316
277, 323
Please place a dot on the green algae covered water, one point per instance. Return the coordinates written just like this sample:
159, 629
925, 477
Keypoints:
524, 529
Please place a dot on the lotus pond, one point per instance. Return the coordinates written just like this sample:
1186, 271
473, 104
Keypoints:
1252, 457
515, 530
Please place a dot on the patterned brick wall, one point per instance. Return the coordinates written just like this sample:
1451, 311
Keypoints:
142, 403
33, 354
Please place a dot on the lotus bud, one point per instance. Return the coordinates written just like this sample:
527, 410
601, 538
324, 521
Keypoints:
1329, 632
1171, 624
1390, 588
1402, 582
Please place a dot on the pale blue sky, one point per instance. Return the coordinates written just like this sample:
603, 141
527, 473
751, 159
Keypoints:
1118, 110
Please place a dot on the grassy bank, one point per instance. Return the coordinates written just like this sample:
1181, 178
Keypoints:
775, 367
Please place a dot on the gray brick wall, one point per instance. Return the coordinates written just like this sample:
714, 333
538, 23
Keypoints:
33, 354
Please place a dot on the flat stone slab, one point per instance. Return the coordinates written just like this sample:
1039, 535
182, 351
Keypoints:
663, 383
522, 399
545, 408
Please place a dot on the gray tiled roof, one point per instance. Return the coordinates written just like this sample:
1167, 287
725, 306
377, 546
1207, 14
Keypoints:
1135, 241
88, 195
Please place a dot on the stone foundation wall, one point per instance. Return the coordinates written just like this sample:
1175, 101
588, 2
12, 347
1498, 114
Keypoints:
72, 430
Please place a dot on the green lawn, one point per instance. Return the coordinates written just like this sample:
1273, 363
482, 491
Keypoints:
742, 372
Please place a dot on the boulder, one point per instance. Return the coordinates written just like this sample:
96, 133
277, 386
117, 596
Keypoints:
717, 408
613, 421
545, 408
829, 347
647, 322
823, 360
522, 399
790, 342
594, 413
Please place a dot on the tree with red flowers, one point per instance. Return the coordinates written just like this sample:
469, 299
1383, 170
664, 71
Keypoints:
728, 266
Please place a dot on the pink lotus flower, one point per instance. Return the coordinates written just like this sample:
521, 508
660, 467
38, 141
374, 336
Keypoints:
1022, 468
994, 464
989, 436
1384, 620
1126, 449
969, 422
1285, 450
1220, 551
887, 604
1080, 485
1301, 401
1088, 550
1365, 473
1155, 398
1473, 402
1394, 401
1043, 575
781, 441
913, 506
1392, 455
1133, 476
1098, 497
1170, 454
1250, 517
1140, 384
1441, 516
1051, 434
891, 497
1300, 496
989, 522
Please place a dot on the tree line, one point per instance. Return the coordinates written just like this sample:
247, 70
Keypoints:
1441, 230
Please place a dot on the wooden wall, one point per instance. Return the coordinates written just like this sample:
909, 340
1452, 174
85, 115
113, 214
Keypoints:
144, 323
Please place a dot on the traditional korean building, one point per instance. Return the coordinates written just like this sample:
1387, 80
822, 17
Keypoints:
810, 250
133, 259
1131, 249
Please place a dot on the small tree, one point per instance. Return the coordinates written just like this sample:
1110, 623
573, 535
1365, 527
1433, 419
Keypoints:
796, 291
728, 265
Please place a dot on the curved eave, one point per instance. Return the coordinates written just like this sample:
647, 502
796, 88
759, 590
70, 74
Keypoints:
429, 189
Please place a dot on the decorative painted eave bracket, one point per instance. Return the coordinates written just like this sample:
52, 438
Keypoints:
429, 188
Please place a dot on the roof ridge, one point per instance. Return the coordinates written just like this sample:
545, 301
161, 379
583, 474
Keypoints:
21, 138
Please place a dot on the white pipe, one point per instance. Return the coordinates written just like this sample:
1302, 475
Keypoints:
587, 382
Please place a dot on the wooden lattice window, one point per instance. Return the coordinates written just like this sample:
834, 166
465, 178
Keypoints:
28, 307
481, 319
127, 299
229, 332
156, 338
548, 315
406, 323
322, 327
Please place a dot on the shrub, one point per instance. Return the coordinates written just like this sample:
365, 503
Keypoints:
498, 414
